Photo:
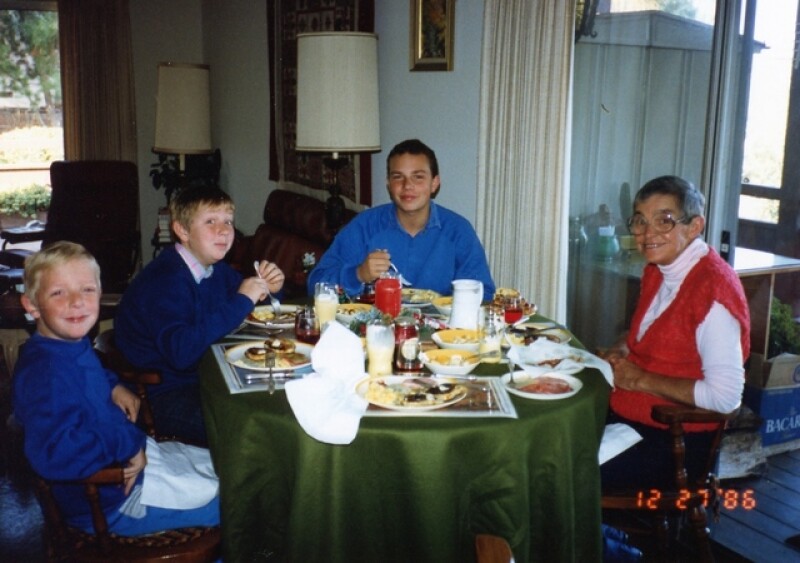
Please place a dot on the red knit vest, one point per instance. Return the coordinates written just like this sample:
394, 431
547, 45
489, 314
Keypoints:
669, 346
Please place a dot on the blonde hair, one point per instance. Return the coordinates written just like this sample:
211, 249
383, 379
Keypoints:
52, 256
184, 206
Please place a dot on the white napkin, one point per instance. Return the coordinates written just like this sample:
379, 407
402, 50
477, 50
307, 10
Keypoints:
572, 359
178, 476
325, 402
617, 438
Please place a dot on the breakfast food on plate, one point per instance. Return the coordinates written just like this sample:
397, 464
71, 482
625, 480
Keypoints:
281, 346
352, 308
414, 392
503, 292
418, 295
547, 386
266, 314
256, 354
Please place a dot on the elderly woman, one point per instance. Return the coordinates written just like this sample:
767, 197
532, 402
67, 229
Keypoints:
688, 339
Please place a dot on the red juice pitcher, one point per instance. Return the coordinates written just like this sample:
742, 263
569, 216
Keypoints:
388, 293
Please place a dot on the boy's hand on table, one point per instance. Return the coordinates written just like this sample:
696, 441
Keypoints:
133, 468
127, 401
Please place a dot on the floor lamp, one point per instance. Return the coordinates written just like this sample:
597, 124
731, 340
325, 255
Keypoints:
337, 102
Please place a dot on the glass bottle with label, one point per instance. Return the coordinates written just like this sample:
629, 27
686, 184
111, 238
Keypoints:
406, 343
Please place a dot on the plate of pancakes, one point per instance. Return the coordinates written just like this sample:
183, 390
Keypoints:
289, 354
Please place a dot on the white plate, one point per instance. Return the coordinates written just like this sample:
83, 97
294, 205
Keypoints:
522, 379
398, 381
346, 313
282, 324
556, 334
445, 339
418, 297
235, 356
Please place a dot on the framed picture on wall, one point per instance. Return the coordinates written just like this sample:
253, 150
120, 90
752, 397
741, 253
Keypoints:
432, 34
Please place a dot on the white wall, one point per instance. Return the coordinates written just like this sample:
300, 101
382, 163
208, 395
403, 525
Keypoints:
237, 49
440, 108
160, 31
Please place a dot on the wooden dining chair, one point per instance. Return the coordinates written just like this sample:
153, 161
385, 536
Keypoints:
65, 543
492, 549
685, 501
138, 379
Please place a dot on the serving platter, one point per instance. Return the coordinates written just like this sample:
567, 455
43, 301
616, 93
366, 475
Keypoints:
444, 304
264, 317
413, 394
412, 297
537, 384
236, 357
346, 312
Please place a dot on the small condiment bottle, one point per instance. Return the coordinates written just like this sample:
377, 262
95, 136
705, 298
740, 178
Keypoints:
406, 345
490, 334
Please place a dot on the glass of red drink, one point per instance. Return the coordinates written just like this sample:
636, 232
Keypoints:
512, 307
306, 325
388, 294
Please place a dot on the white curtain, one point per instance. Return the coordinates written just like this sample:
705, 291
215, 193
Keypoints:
523, 164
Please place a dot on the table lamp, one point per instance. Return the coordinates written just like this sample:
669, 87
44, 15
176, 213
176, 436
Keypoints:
183, 116
337, 101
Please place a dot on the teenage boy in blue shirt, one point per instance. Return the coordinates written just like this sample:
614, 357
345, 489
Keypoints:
186, 299
430, 245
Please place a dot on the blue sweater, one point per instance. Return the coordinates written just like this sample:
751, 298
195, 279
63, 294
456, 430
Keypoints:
167, 321
445, 250
62, 398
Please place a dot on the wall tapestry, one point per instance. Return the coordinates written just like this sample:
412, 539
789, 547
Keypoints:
286, 19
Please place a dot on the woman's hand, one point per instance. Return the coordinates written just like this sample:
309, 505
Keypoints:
631, 377
127, 401
132, 469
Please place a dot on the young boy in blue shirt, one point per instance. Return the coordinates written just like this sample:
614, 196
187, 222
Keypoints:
77, 418
186, 299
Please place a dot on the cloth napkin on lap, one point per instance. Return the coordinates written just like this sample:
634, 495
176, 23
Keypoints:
572, 359
178, 476
325, 402
617, 438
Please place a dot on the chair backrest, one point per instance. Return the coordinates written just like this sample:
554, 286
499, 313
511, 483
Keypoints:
96, 203
111, 358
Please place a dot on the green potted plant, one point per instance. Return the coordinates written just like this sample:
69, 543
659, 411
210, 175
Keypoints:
19, 206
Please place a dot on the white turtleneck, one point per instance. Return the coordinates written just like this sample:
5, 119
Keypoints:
718, 336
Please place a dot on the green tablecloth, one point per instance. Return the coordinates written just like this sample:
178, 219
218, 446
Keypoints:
407, 489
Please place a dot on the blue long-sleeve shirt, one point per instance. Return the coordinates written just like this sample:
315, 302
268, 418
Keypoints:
62, 399
446, 249
167, 321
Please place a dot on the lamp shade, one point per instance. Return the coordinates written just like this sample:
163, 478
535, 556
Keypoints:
337, 92
183, 117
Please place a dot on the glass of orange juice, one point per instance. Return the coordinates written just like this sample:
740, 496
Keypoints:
326, 301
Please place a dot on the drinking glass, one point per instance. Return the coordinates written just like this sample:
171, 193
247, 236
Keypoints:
380, 347
388, 294
512, 306
306, 325
326, 301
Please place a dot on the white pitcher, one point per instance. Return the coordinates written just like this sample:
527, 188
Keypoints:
467, 297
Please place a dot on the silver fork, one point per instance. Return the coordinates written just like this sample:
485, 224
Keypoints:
276, 305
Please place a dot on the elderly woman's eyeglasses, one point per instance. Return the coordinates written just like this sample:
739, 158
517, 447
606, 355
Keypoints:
661, 223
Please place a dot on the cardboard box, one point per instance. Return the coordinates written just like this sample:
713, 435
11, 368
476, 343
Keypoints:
779, 408
780, 371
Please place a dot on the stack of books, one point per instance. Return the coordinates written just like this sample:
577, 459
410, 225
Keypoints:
163, 226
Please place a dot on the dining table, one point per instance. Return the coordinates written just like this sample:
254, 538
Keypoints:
408, 488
